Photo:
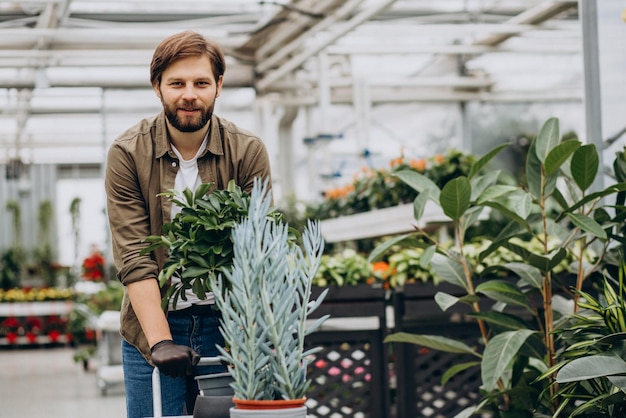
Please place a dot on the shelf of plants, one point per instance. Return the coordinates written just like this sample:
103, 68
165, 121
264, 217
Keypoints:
35, 317
381, 222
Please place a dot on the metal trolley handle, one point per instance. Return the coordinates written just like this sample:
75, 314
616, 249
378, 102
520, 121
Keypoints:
157, 406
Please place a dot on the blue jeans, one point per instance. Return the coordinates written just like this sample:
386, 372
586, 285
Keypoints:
177, 394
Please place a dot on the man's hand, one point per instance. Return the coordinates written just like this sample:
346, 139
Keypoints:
174, 360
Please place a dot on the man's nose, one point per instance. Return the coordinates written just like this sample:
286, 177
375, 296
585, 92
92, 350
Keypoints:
190, 92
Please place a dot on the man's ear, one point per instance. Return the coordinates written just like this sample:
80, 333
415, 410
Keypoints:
220, 82
157, 89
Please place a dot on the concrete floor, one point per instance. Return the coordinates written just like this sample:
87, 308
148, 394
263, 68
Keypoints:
46, 382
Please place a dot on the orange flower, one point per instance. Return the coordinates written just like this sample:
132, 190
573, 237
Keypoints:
419, 165
333, 193
381, 268
396, 162
439, 159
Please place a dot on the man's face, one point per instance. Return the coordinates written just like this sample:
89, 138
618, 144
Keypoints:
188, 90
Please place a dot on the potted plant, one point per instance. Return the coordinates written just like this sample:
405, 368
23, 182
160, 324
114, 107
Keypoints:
265, 301
592, 364
198, 239
199, 246
518, 316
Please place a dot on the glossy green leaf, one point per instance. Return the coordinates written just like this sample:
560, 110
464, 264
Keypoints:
587, 224
445, 300
591, 367
449, 270
529, 274
498, 355
420, 183
495, 192
455, 197
427, 256
380, 250
483, 183
510, 214
544, 263
435, 342
559, 155
456, 369
419, 204
485, 159
547, 139
521, 203
504, 292
533, 172
584, 166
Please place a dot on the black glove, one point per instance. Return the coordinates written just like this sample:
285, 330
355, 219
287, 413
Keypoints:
174, 360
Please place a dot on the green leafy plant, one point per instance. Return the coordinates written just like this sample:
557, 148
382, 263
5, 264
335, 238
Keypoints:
12, 261
198, 239
592, 363
265, 302
346, 268
558, 208
376, 188
43, 253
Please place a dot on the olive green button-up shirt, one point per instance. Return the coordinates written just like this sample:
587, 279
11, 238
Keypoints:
140, 165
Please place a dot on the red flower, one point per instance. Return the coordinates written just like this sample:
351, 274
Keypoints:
93, 267
33, 323
54, 335
10, 322
12, 337
90, 334
31, 337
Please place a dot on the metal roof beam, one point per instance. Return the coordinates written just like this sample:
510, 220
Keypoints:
338, 31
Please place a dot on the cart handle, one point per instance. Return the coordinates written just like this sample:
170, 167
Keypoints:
157, 406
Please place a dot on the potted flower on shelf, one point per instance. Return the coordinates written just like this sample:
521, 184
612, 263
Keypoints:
265, 302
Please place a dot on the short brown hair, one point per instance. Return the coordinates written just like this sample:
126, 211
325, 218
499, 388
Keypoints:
183, 45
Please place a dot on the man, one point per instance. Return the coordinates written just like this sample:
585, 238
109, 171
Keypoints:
184, 146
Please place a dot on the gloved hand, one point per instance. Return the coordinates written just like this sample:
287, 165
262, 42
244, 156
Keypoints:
174, 360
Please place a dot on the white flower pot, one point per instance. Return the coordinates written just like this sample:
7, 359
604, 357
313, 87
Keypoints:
274, 413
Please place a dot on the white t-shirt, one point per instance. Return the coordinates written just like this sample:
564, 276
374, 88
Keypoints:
188, 177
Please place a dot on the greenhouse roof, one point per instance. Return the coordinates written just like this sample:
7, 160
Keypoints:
74, 73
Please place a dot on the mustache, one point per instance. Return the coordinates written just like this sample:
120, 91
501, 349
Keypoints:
188, 106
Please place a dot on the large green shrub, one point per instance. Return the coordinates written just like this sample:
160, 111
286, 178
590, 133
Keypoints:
555, 206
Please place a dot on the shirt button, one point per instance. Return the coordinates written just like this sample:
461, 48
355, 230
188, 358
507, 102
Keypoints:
173, 163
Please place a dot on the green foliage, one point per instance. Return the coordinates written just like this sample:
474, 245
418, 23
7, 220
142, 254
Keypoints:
11, 267
82, 321
198, 239
555, 208
43, 253
346, 268
265, 302
12, 261
592, 364
381, 188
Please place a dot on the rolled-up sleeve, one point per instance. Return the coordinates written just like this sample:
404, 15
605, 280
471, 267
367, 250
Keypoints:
128, 215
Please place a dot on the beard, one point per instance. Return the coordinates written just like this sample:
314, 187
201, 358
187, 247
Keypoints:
187, 124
